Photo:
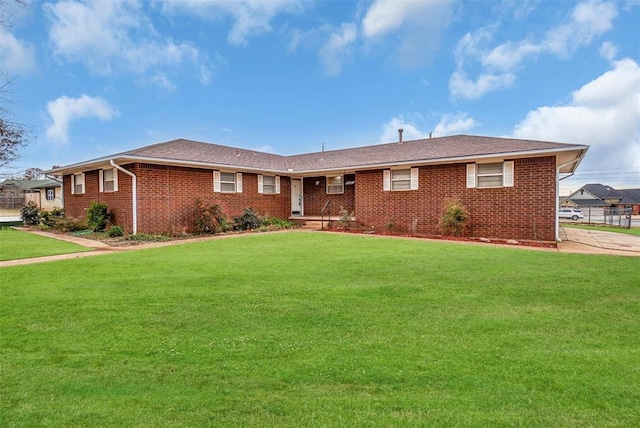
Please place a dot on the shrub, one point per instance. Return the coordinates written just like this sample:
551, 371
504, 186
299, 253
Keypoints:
115, 231
454, 218
345, 218
209, 218
97, 216
69, 224
249, 220
30, 214
50, 218
275, 223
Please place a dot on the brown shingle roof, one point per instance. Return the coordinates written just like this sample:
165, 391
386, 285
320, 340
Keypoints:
195, 151
432, 150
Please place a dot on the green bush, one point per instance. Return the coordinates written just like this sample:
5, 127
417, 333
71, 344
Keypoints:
50, 218
97, 216
454, 218
345, 218
249, 220
115, 231
275, 223
30, 214
69, 224
209, 218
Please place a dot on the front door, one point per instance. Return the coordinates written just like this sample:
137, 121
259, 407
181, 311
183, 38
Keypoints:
296, 196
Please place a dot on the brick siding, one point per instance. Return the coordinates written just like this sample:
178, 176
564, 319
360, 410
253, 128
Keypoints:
167, 195
315, 196
525, 211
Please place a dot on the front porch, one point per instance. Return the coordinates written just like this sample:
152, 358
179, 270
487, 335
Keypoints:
316, 221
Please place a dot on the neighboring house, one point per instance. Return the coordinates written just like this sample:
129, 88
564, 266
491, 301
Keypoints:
600, 195
509, 186
46, 193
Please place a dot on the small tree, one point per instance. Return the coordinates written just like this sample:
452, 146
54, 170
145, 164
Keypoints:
97, 216
454, 218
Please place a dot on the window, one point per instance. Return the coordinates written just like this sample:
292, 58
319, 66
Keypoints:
51, 194
77, 184
400, 179
227, 182
109, 180
335, 185
269, 184
497, 174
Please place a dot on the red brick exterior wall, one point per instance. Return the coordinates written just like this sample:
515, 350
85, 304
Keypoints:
167, 197
525, 211
315, 196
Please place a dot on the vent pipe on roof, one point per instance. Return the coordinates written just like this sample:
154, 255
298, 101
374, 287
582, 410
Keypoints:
400, 131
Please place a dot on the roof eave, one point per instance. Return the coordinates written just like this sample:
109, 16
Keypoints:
449, 160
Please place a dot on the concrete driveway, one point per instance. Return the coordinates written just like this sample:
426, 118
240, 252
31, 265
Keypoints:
598, 242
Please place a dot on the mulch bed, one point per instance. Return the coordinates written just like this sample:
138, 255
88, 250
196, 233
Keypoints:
492, 241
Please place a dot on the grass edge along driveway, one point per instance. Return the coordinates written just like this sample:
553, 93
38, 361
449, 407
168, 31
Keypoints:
17, 244
321, 330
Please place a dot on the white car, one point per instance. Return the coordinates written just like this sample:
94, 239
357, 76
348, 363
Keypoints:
571, 213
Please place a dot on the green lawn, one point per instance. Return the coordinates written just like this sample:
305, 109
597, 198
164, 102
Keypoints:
313, 329
633, 231
16, 244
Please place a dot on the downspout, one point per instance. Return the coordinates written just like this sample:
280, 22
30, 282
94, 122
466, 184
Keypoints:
558, 192
134, 194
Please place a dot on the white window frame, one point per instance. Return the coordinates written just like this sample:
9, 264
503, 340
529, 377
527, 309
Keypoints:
50, 194
474, 176
391, 183
218, 182
269, 189
104, 181
334, 189
77, 180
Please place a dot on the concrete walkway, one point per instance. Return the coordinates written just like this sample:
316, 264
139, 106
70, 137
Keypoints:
598, 242
573, 241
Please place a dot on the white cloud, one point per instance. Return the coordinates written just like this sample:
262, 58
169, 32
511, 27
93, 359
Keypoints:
604, 113
417, 25
461, 86
337, 48
15, 56
114, 36
609, 51
65, 109
454, 124
589, 19
251, 17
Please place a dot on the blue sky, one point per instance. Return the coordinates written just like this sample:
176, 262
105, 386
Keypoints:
94, 78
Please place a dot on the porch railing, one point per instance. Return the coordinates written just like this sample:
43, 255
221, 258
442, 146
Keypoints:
326, 207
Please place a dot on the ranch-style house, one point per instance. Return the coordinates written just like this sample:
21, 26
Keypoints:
509, 186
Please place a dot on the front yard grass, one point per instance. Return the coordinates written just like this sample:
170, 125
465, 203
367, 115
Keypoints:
16, 244
310, 329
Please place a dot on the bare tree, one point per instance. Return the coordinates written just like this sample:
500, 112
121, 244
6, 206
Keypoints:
13, 135
33, 174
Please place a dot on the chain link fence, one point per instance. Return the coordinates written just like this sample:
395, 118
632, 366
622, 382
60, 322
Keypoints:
612, 216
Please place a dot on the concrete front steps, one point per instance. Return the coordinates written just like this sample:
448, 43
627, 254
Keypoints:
315, 222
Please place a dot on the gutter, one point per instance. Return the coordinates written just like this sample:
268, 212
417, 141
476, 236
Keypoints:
578, 160
134, 193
